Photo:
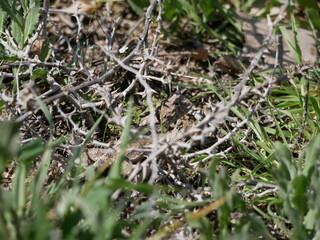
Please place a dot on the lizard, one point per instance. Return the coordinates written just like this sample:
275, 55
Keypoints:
168, 113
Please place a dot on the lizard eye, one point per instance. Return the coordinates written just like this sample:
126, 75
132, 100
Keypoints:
178, 101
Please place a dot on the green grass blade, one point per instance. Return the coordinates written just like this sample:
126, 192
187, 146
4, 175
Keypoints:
43, 171
292, 45
19, 188
46, 112
115, 171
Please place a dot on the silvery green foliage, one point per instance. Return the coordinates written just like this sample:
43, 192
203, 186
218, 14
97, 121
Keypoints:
24, 17
298, 189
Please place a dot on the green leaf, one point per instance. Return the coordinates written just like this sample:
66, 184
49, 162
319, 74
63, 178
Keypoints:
31, 20
3, 17
312, 155
173, 9
258, 226
39, 73
308, 4
314, 15
208, 8
45, 52
17, 34
299, 199
204, 227
11, 11
46, 112
311, 218
19, 188
315, 105
9, 142
138, 6
286, 169
31, 150
120, 183
22, 26
25, 4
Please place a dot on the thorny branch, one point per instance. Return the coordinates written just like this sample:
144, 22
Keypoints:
112, 71
112, 111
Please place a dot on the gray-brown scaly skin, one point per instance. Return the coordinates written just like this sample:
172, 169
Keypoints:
173, 109
170, 111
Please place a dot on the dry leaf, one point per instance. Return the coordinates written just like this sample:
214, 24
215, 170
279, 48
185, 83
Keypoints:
229, 64
84, 7
202, 54
36, 47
